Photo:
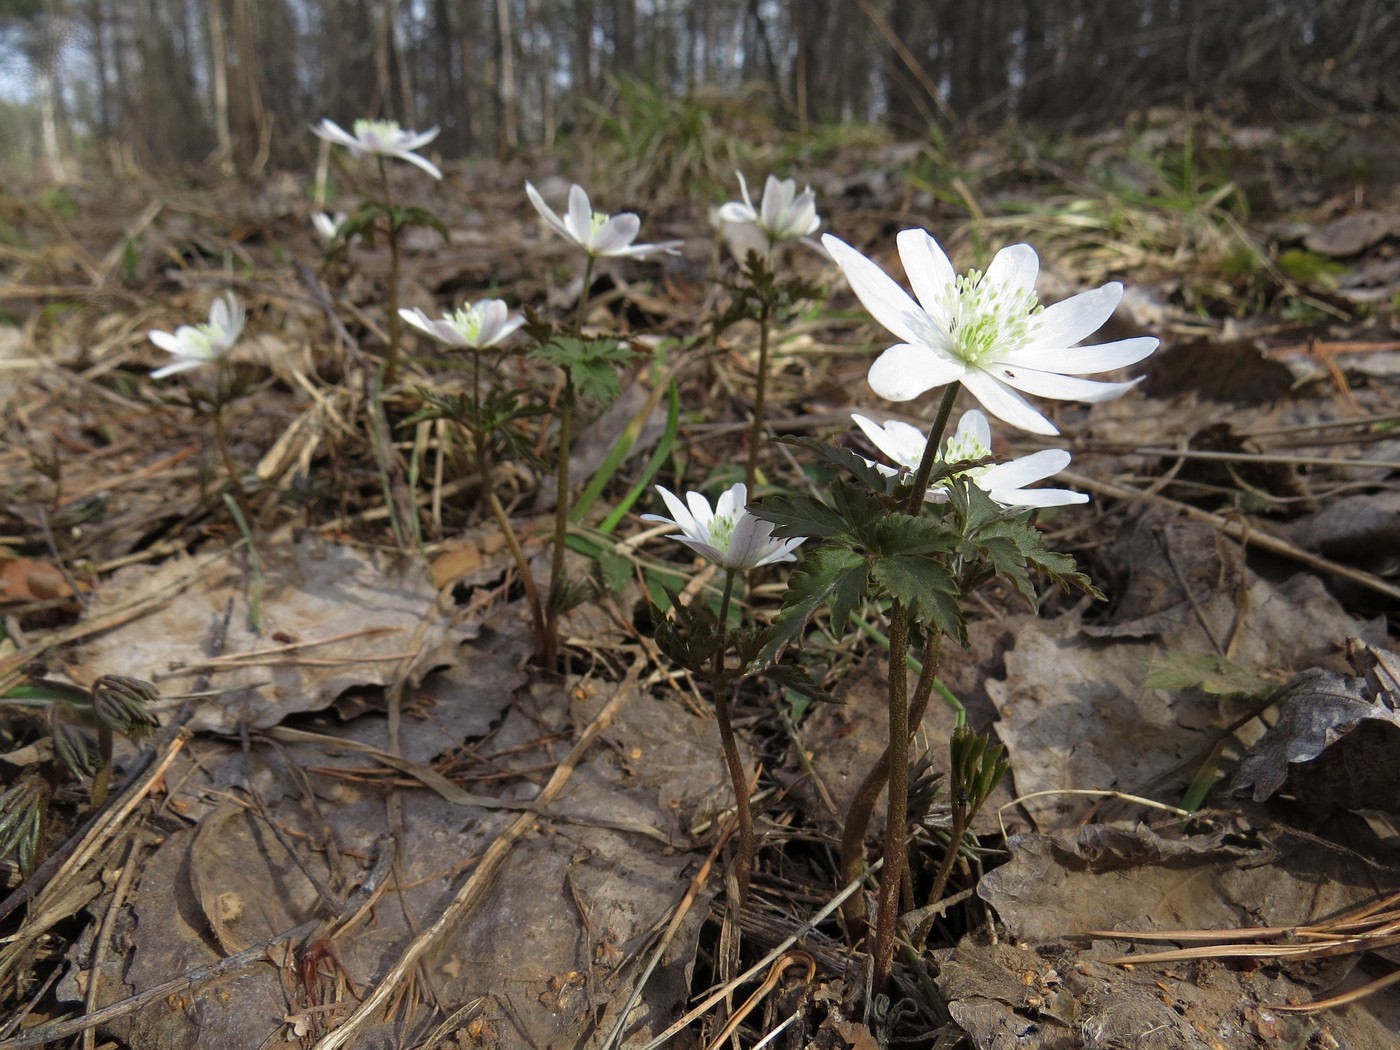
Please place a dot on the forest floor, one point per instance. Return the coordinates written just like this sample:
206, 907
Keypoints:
369, 819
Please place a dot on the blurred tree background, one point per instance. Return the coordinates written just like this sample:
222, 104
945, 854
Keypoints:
168, 85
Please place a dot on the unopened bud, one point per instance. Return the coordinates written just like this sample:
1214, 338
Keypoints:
75, 747
120, 703
22, 811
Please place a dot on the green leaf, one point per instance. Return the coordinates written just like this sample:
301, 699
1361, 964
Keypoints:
827, 574
1210, 672
844, 459
899, 533
803, 516
616, 570
926, 588
795, 678
592, 364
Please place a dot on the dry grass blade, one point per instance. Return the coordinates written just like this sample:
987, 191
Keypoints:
1369, 928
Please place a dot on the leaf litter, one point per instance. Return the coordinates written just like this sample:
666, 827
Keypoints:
380, 742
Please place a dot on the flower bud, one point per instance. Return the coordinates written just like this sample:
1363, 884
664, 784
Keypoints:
75, 747
22, 811
120, 704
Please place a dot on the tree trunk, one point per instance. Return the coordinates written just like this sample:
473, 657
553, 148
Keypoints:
507, 130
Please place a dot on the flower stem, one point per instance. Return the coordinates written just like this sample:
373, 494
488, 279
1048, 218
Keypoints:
391, 369
583, 298
561, 523
230, 468
522, 564
887, 915
745, 848
935, 439
765, 318
868, 794
102, 777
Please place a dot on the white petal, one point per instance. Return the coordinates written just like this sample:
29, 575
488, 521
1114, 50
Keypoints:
546, 212
579, 221
1081, 360
747, 545
974, 425
1005, 404
901, 443
418, 139
679, 514
708, 551
333, 132
1062, 388
1015, 266
419, 320
637, 251
905, 371
1025, 471
182, 365
735, 212
617, 232
700, 512
929, 271
165, 341
887, 302
1078, 317
1038, 497
413, 158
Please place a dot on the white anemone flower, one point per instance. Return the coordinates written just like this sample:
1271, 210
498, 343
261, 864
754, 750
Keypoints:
201, 344
986, 330
596, 232
380, 138
327, 225
729, 535
474, 327
782, 215
1005, 483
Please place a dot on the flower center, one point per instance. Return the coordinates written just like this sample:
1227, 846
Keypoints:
467, 321
988, 317
600, 219
376, 130
721, 531
206, 340
962, 447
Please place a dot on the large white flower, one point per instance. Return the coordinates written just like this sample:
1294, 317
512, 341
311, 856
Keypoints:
201, 344
729, 535
380, 138
783, 215
986, 330
596, 232
1005, 483
474, 327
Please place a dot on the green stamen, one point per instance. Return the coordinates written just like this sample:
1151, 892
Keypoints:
990, 317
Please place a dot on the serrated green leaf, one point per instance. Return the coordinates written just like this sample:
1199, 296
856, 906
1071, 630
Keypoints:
845, 460
827, 574
615, 569
926, 588
899, 533
802, 516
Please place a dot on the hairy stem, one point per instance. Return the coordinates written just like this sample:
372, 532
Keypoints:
743, 861
887, 913
868, 794
935, 439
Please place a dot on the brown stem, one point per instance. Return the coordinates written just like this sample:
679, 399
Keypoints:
760, 394
743, 861
887, 914
231, 468
862, 806
392, 367
561, 524
522, 564
102, 778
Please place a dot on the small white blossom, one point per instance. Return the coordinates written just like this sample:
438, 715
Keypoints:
474, 327
201, 344
729, 535
327, 225
1004, 482
783, 215
986, 330
596, 232
380, 138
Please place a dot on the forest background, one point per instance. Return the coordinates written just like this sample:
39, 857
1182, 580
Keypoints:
166, 85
